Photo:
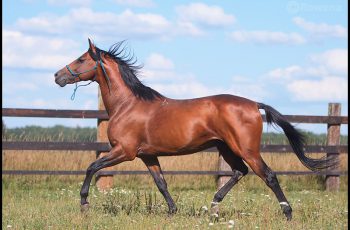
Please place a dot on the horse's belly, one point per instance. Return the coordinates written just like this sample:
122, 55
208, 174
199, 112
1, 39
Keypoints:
176, 142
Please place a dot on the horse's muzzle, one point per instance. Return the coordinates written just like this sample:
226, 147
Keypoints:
61, 81
62, 78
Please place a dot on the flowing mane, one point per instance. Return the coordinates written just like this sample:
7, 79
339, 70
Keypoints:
129, 70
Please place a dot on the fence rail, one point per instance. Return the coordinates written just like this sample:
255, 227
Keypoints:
104, 147
87, 114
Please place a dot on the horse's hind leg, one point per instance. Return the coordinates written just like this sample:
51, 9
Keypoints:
239, 170
115, 156
264, 172
246, 144
153, 166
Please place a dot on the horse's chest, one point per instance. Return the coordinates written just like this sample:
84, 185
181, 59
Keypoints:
125, 132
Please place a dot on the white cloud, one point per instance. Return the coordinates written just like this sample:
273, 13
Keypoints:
158, 61
321, 29
267, 37
251, 88
326, 89
160, 73
69, 2
20, 50
136, 3
336, 60
84, 21
324, 79
204, 15
286, 73
333, 61
106, 26
188, 28
295, 71
157, 68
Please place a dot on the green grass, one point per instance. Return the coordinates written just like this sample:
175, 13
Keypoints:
54, 204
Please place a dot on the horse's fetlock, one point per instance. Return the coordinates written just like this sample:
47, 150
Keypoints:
218, 197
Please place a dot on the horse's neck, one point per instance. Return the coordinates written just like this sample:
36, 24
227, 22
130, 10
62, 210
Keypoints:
117, 94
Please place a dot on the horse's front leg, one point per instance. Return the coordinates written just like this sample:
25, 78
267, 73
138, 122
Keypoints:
153, 166
115, 156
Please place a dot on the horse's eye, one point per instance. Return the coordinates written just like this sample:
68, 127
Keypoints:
80, 60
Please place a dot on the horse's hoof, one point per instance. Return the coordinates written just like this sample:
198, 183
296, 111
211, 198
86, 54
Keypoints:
214, 210
289, 216
172, 211
84, 207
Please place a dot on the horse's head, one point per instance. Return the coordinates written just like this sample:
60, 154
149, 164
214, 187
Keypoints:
81, 69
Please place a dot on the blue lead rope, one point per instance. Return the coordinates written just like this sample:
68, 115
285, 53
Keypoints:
76, 88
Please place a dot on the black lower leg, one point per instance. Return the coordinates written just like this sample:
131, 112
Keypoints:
239, 170
163, 188
93, 168
227, 187
272, 182
84, 192
153, 166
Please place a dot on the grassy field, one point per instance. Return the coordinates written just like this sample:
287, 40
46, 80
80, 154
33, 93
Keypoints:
52, 202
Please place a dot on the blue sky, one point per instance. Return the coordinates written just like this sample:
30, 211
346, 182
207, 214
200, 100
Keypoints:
291, 55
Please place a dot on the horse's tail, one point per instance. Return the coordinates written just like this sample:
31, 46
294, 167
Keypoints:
296, 140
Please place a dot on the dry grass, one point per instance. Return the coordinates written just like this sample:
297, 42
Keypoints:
80, 160
70, 160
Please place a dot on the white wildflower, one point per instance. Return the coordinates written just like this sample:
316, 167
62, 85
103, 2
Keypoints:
231, 222
211, 224
205, 208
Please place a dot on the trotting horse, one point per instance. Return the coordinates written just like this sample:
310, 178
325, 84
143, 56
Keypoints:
145, 124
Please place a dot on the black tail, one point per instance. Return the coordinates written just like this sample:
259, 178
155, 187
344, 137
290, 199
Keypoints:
296, 140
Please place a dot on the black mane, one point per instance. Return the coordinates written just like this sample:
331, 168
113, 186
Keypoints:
129, 70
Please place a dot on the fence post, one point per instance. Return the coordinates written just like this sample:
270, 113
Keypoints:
333, 138
102, 182
223, 166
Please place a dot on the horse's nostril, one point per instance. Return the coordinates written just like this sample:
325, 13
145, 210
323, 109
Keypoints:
56, 74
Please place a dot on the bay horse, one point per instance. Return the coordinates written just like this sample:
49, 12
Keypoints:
145, 124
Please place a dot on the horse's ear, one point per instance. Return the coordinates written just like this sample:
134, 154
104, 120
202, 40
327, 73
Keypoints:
92, 51
91, 46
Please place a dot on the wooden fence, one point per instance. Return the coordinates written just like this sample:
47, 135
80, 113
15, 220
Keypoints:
333, 147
